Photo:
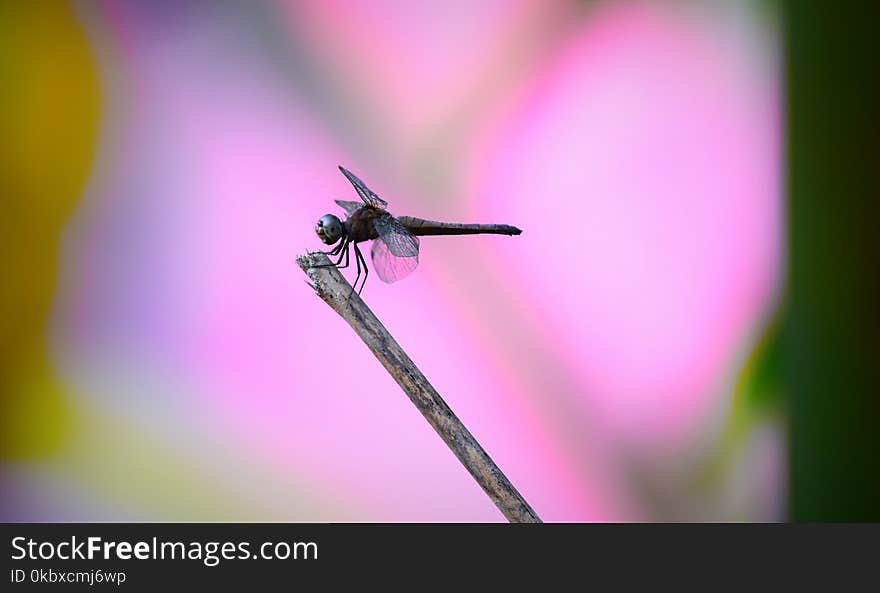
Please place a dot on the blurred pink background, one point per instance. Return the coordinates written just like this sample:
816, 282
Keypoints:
595, 357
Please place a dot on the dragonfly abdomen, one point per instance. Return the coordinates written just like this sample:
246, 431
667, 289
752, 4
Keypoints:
420, 226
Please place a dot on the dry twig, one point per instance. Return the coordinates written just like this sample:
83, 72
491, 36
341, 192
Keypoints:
334, 289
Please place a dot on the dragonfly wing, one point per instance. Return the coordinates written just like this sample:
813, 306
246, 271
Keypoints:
400, 241
390, 267
365, 193
349, 207
395, 251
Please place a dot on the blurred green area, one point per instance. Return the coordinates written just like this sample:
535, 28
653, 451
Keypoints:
818, 362
831, 331
49, 105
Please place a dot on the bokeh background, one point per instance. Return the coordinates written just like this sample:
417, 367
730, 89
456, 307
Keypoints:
163, 163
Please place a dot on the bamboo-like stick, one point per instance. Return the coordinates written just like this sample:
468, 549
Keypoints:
334, 289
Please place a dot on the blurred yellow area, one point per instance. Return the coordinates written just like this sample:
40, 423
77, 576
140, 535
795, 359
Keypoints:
49, 107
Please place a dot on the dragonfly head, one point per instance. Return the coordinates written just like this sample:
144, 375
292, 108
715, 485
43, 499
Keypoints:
329, 229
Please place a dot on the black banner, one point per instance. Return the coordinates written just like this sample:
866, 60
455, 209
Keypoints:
234, 555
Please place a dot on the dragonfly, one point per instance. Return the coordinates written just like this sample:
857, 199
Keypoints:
395, 249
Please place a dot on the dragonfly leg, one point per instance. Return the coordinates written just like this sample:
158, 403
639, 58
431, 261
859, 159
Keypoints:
344, 254
357, 259
338, 267
358, 254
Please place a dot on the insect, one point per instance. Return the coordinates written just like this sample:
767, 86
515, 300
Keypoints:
395, 251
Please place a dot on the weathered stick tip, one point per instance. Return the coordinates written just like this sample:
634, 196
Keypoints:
327, 282
310, 259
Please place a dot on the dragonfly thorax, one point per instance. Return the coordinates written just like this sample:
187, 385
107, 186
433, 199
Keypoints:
329, 229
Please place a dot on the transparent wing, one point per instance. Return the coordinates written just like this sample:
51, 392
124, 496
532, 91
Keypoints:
395, 251
349, 207
390, 267
400, 241
365, 193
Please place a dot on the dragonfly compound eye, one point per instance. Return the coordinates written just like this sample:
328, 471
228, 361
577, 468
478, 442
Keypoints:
329, 229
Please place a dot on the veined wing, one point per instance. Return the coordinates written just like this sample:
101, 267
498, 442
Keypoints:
400, 241
395, 251
349, 207
365, 193
390, 267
